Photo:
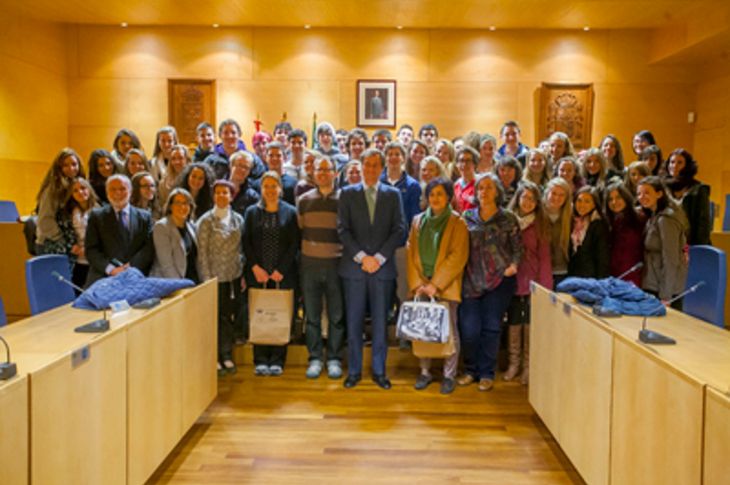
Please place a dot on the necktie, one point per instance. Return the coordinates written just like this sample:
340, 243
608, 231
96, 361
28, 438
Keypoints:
370, 197
124, 224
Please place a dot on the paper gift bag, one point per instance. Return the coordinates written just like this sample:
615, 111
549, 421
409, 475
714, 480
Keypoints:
435, 351
270, 315
424, 321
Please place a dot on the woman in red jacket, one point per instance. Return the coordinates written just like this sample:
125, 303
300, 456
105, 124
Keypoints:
534, 266
626, 236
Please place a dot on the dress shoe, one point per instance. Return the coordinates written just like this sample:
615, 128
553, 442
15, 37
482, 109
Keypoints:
352, 380
422, 382
382, 382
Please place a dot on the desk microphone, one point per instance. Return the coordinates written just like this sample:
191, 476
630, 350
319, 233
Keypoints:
97, 326
638, 265
7, 369
650, 337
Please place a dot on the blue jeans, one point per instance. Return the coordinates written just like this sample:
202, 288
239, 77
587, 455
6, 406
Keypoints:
318, 282
480, 324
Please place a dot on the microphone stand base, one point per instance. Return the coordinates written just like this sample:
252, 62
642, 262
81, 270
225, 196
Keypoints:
97, 326
7, 370
649, 337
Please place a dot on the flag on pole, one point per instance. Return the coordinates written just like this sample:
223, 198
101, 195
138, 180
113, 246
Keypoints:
314, 129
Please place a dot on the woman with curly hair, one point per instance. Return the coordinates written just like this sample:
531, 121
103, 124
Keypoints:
51, 197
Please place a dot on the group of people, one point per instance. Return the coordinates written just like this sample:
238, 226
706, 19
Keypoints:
358, 223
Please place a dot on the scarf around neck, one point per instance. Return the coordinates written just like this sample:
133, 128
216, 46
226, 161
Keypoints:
429, 240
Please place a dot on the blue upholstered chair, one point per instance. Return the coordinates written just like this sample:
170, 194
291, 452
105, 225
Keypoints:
726, 217
708, 264
8, 211
44, 289
3, 316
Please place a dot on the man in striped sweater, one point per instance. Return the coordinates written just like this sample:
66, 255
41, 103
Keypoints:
320, 257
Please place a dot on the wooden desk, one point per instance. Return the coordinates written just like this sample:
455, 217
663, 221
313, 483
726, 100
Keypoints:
14, 431
115, 416
571, 356
12, 271
717, 437
666, 421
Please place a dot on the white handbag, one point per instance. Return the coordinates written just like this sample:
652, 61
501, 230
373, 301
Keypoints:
424, 321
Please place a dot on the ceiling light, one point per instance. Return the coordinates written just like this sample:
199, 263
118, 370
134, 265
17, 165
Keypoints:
124, 24
307, 26
492, 28
400, 27
586, 28
215, 26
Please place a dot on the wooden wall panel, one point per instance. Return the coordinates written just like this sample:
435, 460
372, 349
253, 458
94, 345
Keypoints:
563, 56
139, 52
33, 106
341, 54
712, 138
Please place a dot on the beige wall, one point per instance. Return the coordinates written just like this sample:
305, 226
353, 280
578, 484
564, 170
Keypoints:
460, 80
33, 105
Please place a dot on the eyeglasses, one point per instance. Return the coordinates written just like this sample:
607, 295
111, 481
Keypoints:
146, 186
182, 203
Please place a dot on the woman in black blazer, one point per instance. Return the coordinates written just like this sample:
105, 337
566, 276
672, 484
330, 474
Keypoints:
271, 244
589, 250
691, 193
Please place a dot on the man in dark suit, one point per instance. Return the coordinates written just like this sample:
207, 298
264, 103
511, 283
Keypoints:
118, 235
371, 226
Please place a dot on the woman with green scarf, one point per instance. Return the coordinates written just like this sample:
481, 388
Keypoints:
437, 251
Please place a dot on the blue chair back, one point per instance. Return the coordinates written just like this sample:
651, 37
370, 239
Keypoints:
44, 289
726, 217
8, 211
708, 264
3, 316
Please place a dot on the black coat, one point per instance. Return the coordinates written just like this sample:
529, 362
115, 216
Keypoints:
591, 259
696, 205
105, 241
289, 242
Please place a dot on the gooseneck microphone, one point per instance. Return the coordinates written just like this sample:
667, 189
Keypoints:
7, 369
635, 267
97, 326
650, 337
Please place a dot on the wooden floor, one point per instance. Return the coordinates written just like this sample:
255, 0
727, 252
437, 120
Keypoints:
290, 430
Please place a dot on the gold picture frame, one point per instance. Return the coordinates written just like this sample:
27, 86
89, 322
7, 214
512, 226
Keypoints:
567, 108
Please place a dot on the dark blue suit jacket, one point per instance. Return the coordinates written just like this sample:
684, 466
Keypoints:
358, 234
104, 241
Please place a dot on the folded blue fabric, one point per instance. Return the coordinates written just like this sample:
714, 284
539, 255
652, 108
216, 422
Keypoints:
613, 295
130, 285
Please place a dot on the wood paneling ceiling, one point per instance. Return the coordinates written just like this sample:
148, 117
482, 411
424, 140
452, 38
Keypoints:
470, 14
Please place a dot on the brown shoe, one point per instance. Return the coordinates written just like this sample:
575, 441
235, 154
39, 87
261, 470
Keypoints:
486, 384
465, 380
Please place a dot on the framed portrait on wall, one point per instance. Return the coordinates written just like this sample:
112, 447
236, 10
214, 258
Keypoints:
567, 108
190, 102
376, 103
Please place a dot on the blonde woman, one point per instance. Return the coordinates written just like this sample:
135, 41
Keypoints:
558, 198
